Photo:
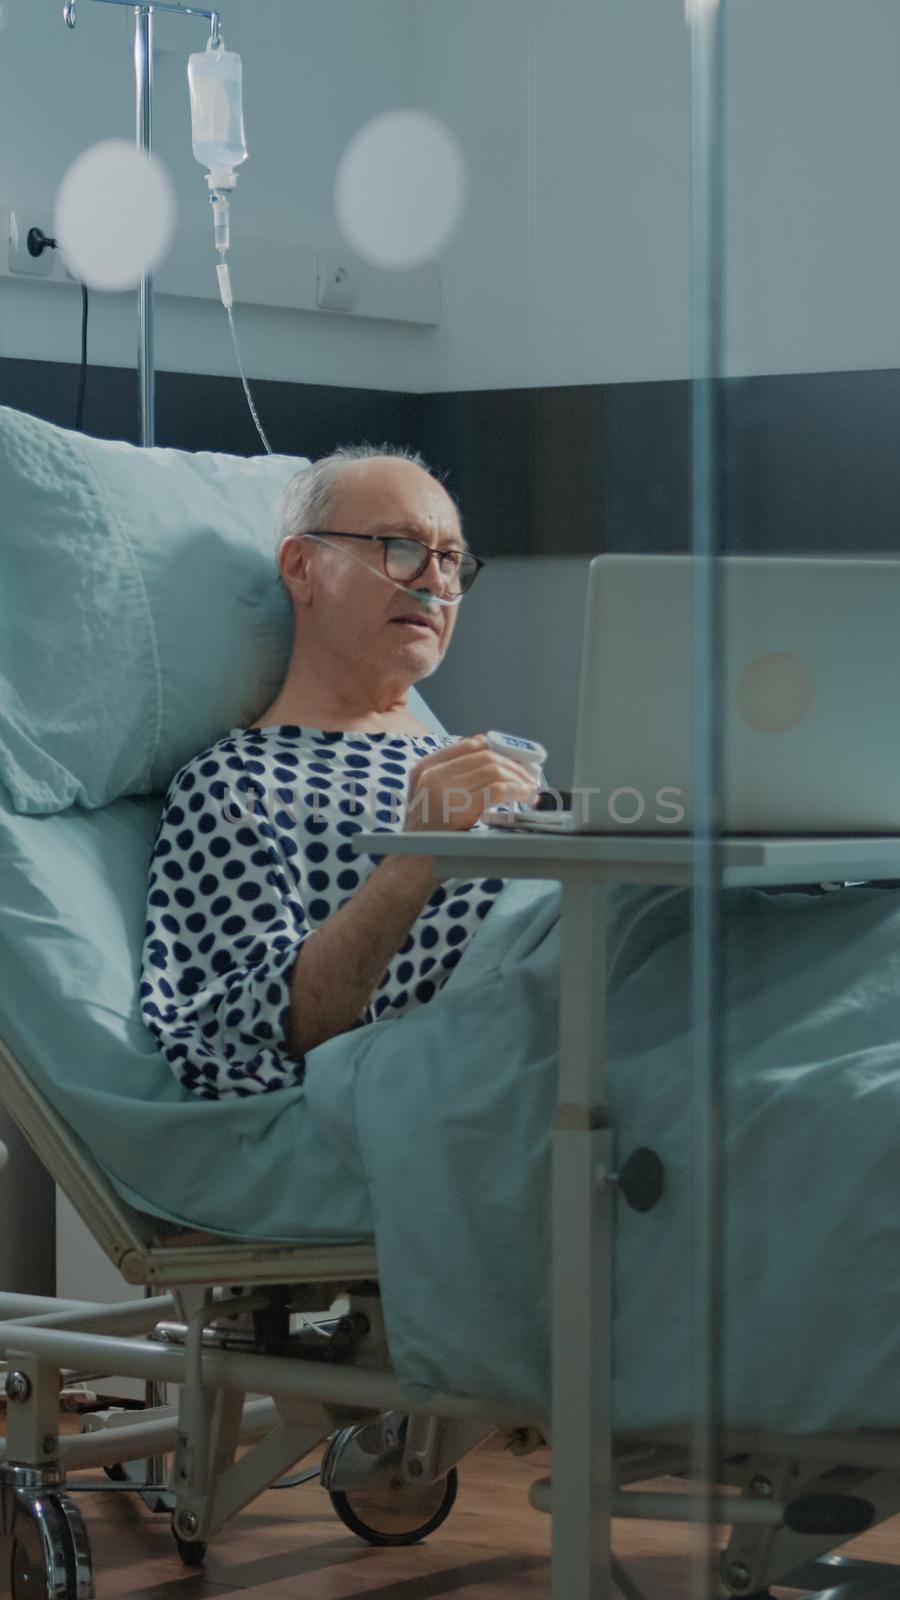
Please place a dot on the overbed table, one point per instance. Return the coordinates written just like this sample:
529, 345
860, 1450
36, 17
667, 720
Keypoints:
583, 1155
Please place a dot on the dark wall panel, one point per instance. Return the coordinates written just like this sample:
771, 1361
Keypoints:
566, 471
809, 462
812, 462
482, 444
207, 413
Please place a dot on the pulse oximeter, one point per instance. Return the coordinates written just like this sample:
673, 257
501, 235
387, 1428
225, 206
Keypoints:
527, 752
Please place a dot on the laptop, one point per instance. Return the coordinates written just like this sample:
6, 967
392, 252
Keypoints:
810, 709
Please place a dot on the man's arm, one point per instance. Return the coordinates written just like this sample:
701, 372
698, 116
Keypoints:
338, 967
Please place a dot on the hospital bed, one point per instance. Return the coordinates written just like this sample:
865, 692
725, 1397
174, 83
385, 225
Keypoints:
242, 1279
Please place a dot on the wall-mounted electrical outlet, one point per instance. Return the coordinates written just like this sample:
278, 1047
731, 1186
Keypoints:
336, 283
20, 257
267, 272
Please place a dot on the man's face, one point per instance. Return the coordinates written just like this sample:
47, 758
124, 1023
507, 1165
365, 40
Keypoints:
358, 610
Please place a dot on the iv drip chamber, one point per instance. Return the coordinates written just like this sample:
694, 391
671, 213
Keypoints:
217, 114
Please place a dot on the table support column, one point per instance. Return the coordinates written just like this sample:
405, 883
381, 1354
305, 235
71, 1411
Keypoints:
582, 1261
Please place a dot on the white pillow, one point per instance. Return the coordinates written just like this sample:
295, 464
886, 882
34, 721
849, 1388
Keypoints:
140, 612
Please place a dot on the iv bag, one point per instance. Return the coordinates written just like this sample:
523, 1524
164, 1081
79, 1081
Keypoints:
217, 115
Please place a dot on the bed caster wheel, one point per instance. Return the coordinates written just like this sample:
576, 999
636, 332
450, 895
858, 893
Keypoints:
393, 1513
50, 1557
191, 1551
361, 1472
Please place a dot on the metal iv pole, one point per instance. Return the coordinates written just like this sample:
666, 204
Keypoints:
143, 72
143, 77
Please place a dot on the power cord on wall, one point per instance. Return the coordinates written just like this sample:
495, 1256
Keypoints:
37, 242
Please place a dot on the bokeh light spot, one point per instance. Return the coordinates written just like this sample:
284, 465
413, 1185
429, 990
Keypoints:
400, 189
115, 214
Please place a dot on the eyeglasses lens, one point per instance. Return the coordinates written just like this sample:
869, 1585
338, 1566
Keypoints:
403, 561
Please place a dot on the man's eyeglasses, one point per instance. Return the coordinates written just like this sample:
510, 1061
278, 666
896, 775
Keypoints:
406, 559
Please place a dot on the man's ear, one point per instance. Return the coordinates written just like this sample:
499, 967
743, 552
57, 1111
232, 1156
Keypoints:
294, 565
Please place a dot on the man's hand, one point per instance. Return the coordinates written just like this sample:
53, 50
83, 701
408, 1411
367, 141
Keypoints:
451, 788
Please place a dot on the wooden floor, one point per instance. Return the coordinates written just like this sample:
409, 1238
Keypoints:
289, 1543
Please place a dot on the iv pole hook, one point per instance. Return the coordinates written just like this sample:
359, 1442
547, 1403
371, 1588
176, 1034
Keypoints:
213, 17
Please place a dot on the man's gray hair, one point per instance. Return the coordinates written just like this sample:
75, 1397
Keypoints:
307, 501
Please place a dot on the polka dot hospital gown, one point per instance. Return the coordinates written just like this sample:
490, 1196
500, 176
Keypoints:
253, 853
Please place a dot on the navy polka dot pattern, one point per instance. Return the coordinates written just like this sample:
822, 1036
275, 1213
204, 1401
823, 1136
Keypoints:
253, 853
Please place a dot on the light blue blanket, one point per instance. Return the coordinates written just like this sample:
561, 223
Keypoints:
437, 1125
445, 1117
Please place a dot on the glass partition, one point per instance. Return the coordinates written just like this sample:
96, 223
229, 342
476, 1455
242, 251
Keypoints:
794, 547
623, 273
706, 21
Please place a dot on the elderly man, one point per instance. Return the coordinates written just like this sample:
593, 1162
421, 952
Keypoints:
267, 933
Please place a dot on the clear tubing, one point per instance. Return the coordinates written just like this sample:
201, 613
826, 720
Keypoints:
425, 595
234, 339
220, 144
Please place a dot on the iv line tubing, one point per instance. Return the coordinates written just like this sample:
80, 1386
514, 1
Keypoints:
237, 351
